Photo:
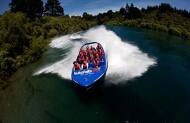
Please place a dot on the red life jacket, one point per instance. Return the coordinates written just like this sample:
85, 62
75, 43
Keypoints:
87, 50
80, 59
100, 52
97, 55
96, 61
91, 59
86, 59
80, 53
94, 52
84, 65
84, 53
77, 67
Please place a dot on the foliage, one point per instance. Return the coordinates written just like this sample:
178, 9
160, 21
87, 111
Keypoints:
32, 8
160, 18
23, 40
53, 8
35, 8
87, 16
132, 12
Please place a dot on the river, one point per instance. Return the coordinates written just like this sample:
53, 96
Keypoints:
148, 80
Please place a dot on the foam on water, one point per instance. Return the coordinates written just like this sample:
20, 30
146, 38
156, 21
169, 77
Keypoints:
125, 61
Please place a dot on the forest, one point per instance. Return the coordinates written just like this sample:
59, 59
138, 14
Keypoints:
161, 17
28, 27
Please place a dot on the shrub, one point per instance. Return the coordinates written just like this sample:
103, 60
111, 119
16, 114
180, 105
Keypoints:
52, 33
174, 31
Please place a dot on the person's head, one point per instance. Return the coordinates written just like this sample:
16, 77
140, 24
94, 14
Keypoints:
84, 62
82, 50
75, 62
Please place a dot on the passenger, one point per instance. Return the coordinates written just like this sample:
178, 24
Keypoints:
89, 53
98, 47
87, 49
76, 65
97, 56
81, 52
96, 63
91, 58
100, 53
94, 52
85, 65
86, 58
84, 53
80, 59
92, 48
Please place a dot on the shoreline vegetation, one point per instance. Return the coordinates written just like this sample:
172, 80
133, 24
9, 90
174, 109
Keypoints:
25, 33
163, 18
23, 41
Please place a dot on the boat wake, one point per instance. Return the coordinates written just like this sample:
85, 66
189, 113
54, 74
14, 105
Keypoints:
125, 61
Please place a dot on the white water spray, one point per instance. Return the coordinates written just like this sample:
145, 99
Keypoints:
125, 61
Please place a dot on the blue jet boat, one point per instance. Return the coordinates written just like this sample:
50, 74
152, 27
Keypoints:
87, 77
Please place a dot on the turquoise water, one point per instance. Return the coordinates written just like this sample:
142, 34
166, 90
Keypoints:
160, 94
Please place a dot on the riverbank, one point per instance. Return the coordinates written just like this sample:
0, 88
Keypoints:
163, 18
177, 30
24, 40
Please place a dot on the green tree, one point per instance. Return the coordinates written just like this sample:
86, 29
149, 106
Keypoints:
32, 8
53, 8
110, 13
122, 11
133, 12
165, 7
87, 16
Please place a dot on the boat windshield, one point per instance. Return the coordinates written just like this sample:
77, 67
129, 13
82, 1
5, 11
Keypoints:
90, 45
